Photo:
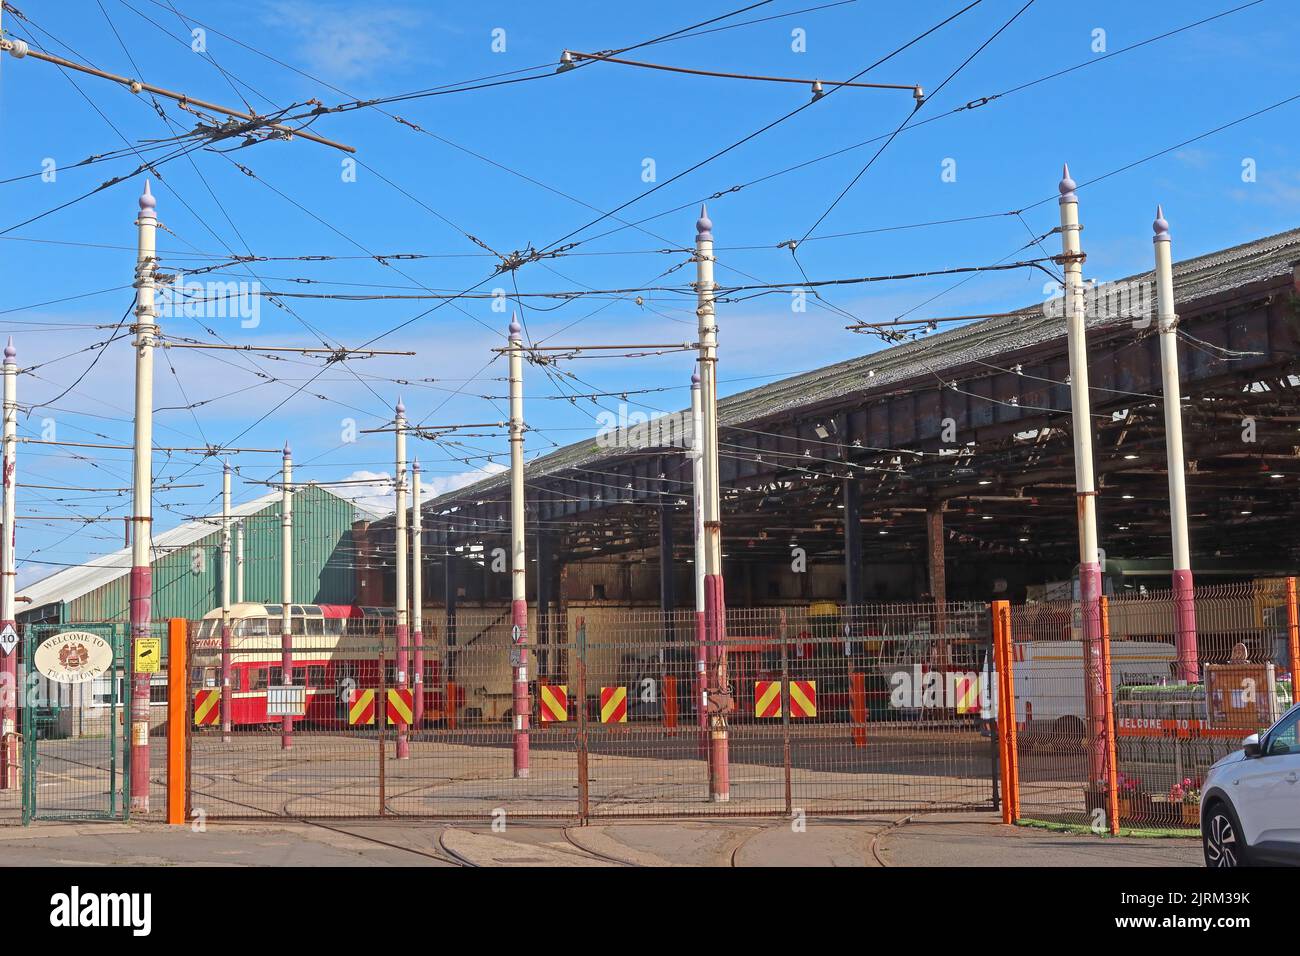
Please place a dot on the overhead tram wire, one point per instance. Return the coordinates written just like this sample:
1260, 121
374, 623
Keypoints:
973, 104
919, 105
722, 152
221, 206
201, 219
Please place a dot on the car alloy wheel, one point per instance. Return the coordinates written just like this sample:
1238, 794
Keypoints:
1221, 848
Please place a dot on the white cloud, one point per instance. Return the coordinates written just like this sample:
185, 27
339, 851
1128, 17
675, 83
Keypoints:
374, 489
344, 43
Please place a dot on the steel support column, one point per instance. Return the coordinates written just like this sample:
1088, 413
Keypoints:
852, 542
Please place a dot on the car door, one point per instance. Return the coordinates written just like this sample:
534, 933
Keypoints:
1269, 801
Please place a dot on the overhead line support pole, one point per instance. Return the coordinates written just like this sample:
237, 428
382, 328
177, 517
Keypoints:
1084, 480
9, 765
286, 591
1167, 319
518, 556
226, 691
400, 597
715, 609
141, 581
417, 594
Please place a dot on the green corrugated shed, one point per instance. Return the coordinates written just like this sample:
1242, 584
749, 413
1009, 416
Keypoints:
187, 565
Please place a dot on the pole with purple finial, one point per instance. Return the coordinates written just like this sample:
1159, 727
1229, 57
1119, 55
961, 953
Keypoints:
417, 596
715, 609
141, 581
286, 590
697, 496
400, 597
1167, 322
1084, 481
9, 767
226, 690
518, 556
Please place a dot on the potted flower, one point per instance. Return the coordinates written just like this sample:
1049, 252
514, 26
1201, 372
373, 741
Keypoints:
1191, 802
1129, 794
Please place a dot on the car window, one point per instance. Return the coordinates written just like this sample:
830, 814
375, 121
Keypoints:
1283, 738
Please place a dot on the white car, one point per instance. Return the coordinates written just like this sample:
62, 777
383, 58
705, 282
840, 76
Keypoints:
1250, 800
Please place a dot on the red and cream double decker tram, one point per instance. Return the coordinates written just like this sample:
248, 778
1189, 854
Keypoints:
337, 648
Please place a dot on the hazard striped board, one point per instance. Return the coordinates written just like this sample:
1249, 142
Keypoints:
966, 693
803, 698
361, 708
613, 705
554, 703
206, 707
401, 701
767, 698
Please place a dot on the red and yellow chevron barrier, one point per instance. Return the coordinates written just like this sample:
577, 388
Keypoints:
361, 708
803, 698
767, 698
401, 703
554, 703
966, 691
207, 707
613, 705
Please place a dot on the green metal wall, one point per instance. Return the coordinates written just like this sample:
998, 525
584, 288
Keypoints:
187, 581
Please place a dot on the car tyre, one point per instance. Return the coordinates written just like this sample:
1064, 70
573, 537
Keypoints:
1221, 837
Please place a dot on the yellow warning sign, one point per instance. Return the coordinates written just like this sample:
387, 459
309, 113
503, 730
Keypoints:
148, 655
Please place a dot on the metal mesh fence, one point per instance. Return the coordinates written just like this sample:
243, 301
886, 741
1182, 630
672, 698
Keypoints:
858, 709
1166, 734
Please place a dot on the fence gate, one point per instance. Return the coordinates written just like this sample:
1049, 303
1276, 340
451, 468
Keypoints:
75, 756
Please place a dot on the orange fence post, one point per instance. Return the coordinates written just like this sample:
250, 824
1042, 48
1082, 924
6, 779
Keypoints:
670, 703
1004, 662
177, 708
1293, 634
858, 707
1112, 766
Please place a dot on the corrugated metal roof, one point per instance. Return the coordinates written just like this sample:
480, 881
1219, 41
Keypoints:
1194, 280
71, 583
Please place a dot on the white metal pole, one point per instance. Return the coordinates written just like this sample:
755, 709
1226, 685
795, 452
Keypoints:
715, 609
1167, 319
225, 602
400, 598
1085, 487
417, 593
141, 585
9, 762
518, 558
286, 591
697, 502
239, 563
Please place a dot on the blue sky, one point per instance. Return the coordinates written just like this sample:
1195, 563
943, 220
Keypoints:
524, 163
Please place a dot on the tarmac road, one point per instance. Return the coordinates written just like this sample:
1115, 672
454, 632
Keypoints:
974, 839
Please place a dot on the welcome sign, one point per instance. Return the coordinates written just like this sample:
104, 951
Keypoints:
73, 657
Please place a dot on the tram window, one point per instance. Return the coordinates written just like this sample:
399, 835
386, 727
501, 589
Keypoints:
333, 626
297, 625
252, 627
257, 678
207, 628
315, 626
316, 676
